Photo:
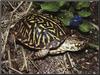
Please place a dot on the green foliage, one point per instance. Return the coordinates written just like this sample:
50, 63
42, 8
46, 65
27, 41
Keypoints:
84, 13
53, 6
50, 6
85, 27
69, 10
61, 2
81, 5
65, 18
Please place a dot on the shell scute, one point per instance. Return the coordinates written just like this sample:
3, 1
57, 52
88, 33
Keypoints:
38, 31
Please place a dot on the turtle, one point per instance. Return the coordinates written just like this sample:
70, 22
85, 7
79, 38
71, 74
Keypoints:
45, 34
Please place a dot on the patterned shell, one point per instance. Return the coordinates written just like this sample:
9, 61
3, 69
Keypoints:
39, 31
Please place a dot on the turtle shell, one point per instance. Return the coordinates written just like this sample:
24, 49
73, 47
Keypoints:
39, 31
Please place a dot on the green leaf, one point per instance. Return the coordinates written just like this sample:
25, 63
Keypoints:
62, 2
66, 17
66, 21
85, 27
50, 6
81, 5
84, 13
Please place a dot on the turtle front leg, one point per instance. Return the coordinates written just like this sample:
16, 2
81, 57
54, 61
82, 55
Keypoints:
57, 51
41, 53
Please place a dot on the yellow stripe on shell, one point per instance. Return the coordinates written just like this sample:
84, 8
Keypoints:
21, 29
41, 20
47, 19
48, 38
54, 31
25, 40
52, 22
60, 33
34, 33
53, 36
26, 32
30, 43
41, 25
39, 31
52, 25
47, 23
32, 21
29, 26
43, 40
39, 39
29, 35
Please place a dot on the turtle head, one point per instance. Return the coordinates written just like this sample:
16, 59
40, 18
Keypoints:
75, 43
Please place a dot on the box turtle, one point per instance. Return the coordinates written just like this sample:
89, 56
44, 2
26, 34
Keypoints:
45, 34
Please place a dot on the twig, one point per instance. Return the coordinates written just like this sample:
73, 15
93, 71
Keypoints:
6, 61
61, 62
15, 43
29, 7
16, 9
65, 59
15, 70
18, 6
27, 57
72, 63
11, 5
25, 60
35, 65
94, 46
94, 25
22, 68
9, 60
7, 32
25, 12
5, 40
